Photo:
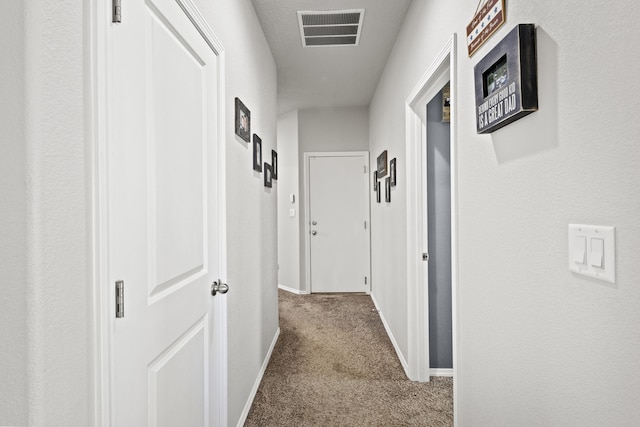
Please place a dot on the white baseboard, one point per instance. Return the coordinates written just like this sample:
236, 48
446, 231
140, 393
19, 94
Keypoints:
441, 372
292, 290
403, 362
254, 390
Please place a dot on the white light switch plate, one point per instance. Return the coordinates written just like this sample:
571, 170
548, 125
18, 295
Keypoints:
600, 250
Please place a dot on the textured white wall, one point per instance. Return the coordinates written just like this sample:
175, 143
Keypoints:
326, 130
45, 212
537, 345
288, 183
251, 208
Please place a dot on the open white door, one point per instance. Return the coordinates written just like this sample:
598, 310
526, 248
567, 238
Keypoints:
338, 217
163, 216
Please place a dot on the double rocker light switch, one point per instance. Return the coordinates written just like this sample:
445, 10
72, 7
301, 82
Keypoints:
592, 251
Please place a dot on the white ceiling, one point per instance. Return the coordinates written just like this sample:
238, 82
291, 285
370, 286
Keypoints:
329, 76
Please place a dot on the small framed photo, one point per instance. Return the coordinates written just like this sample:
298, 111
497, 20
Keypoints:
375, 180
392, 171
382, 164
257, 153
243, 121
274, 164
387, 190
268, 175
378, 193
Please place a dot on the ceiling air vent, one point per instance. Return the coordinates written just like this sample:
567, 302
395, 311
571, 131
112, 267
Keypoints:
331, 28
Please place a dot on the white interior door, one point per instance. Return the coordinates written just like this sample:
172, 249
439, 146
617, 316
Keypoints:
163, 216
339, 216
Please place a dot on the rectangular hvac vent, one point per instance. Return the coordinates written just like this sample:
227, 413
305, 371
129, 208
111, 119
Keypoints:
331, 28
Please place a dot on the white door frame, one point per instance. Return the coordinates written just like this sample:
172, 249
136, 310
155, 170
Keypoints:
103, 305
442, 69
307, 207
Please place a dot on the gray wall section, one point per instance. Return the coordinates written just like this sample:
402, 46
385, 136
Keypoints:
439, 219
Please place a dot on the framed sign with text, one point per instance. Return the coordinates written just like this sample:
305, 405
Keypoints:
485, 22
506, 81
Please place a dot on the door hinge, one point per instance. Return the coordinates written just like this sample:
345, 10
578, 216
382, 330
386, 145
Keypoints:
425, 256
365, 225
119, 299
365, 169
365, 280
117, 11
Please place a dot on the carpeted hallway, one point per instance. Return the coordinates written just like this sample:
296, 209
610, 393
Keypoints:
334, 365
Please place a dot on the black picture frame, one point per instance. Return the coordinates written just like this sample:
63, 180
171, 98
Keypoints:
274, 164
378, 193
268, 175
392, 171
243, 121
375, 180
387, 189
257, 153
382, 164
506, 80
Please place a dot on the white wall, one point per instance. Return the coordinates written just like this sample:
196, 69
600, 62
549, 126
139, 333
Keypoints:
537, 345
45, 210
288, 183
251, 208
326, 130
13, 220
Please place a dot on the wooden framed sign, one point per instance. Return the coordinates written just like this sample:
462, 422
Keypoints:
506, 80
485, 22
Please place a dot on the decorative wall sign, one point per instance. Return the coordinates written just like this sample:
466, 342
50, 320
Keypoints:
274, 164
485, 22
257, 153
382, 164
268, 175
243, 121
392, 171
506, 80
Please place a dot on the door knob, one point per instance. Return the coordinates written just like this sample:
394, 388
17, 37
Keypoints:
314, 232
314, 222
218, 286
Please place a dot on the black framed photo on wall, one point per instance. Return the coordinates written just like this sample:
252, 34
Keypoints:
387, 190
257, 153
392, 171
268, 175
274, 164
243, 121
506, 80
382, 164
375, 180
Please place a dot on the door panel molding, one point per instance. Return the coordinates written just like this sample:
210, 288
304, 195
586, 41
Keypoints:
307, 219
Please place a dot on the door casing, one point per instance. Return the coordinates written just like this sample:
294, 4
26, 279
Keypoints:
307, 207
442, 69
99, 62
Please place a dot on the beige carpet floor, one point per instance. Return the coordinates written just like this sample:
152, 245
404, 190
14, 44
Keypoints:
334, 365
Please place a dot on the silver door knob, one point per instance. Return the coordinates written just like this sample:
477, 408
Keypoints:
314, 232
314, 222
216, 287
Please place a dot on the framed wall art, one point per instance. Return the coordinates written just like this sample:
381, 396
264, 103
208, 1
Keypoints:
506, 80
375, 180
243, 121
268, 175
274, 164
257, 153
387, 190
382, 164
392, 171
